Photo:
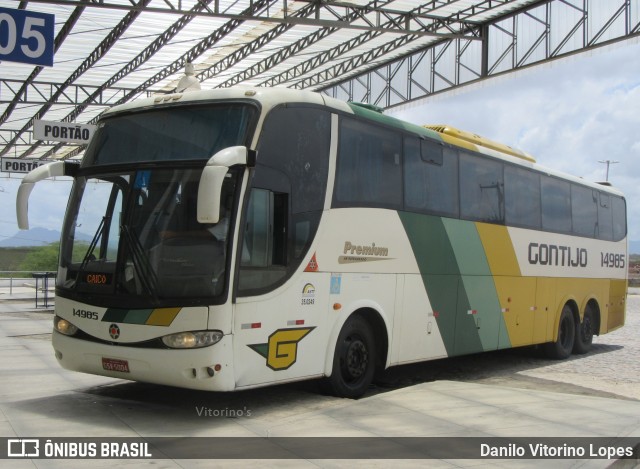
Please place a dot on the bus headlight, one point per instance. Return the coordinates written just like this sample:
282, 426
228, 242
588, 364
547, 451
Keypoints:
63, 326
192, 339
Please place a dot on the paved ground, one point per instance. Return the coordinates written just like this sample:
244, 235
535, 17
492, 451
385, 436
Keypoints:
503, 394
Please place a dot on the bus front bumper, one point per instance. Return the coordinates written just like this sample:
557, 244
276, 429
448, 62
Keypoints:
208, 368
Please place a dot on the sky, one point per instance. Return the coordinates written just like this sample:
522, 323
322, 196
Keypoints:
569, 114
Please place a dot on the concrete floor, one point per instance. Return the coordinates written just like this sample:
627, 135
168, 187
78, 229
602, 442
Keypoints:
38, 399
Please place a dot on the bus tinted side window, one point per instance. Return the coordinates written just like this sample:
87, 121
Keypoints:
286, 197
605, 217
369, 169
556, 205
619, 209
584, 211
481, 189
522, 197
430, 177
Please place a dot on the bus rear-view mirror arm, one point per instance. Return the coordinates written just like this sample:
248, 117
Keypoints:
210, 187
57, 168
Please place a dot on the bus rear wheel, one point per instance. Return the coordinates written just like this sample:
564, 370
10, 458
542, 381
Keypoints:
563, 346
354, 359
585, 331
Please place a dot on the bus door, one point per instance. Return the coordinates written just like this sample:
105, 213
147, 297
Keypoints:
281, 301
280, 331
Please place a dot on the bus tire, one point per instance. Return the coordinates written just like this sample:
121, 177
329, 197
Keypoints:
354, 361
562, 348
584, 332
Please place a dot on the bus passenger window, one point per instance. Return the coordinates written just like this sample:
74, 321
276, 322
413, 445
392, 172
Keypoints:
556, 205
605, 217
619, 209
481, 189
522, 197
430, 178
584, 211
369, 172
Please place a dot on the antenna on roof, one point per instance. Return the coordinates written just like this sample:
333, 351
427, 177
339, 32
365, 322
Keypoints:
188, 82
608, 163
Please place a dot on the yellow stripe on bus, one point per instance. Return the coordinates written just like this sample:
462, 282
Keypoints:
499, 249
617, 298
162, 316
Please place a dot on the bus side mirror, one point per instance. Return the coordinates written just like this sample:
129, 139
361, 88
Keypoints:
213, 174
57, 168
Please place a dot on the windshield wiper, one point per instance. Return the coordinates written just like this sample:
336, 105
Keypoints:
88, 256
141, 263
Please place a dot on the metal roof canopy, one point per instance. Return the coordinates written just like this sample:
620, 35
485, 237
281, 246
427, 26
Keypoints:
383, 52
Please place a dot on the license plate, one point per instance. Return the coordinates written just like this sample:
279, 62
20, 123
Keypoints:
113, 364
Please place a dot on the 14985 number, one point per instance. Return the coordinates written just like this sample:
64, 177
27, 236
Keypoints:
614, 261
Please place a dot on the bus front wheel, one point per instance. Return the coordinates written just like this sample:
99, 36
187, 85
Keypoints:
561, 348
584, 332
354, 359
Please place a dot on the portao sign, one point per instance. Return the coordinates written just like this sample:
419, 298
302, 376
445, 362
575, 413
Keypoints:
63, 131
18, 165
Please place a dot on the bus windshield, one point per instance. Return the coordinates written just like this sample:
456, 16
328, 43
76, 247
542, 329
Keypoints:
134, 238
131, 236
194, 132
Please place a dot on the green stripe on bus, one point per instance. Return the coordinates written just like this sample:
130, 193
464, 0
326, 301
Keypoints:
458, 281
114, 315
477, 278
127, 316
138, 316
440, 273
467, 247
380, 118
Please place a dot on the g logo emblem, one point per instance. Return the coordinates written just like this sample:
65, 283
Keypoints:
282, 349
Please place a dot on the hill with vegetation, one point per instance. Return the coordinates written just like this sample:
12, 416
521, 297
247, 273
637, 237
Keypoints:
30, 259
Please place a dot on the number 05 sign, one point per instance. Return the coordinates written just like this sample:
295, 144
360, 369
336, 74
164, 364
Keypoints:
26, 36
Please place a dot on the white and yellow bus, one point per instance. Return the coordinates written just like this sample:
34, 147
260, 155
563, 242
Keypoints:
230, 239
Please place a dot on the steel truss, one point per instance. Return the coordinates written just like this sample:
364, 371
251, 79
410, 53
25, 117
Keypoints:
42, 92
326, 14
365, 51
545, 31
